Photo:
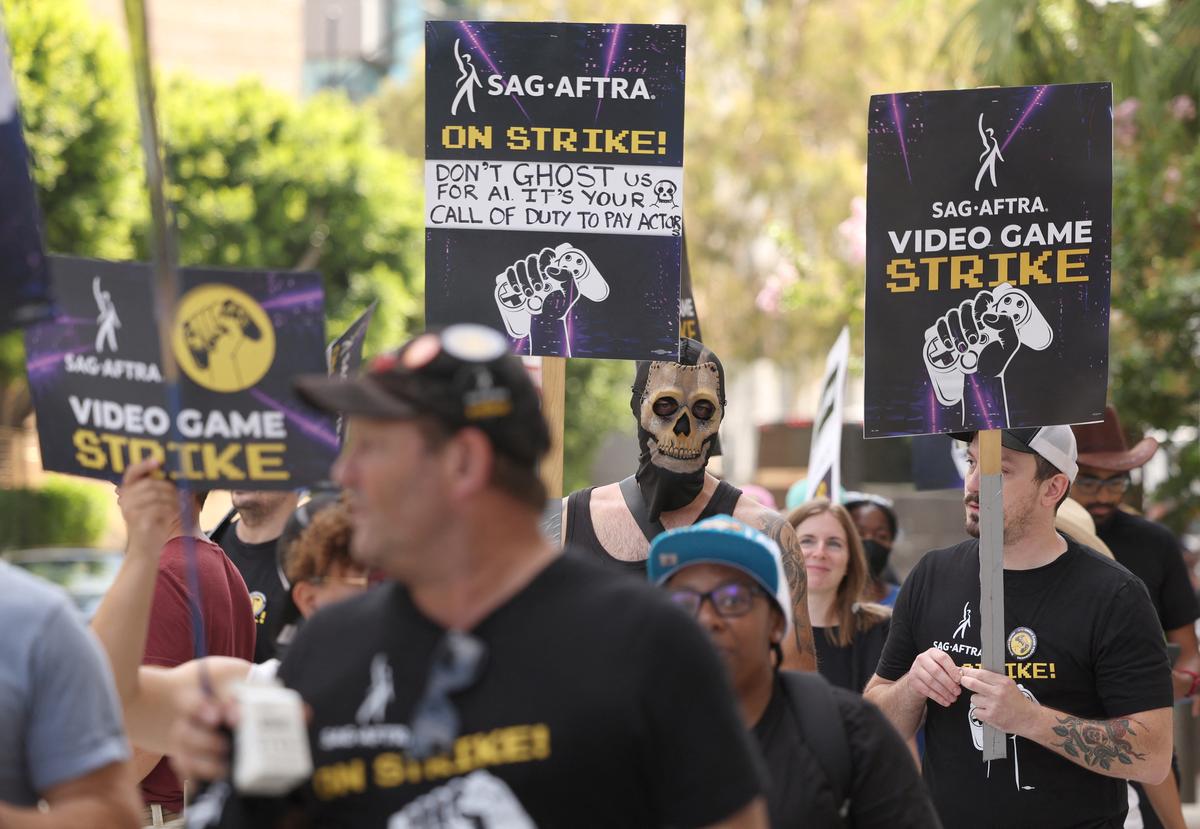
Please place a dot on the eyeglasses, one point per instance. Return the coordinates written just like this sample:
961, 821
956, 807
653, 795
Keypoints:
728, 600
1089, 485
457, 665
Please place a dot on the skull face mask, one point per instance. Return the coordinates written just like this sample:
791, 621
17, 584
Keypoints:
679, 407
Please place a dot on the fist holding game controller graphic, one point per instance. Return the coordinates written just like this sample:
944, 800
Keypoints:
535, 288
981, 336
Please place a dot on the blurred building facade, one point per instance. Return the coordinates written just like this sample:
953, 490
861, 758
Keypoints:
294, 46
223, 40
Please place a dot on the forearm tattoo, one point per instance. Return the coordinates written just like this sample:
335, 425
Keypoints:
1097, 742
780, 531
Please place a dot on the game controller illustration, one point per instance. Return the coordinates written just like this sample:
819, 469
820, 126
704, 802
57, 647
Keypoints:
982, 335
537, 286
204, 330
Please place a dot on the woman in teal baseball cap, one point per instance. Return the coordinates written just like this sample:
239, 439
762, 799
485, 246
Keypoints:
730, 578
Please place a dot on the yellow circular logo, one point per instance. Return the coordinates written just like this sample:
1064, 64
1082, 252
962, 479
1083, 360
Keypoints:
1022, 642
223, 339
258, 606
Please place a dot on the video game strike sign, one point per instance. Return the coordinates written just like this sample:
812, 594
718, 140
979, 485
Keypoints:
239, 338
989, 216
554, 184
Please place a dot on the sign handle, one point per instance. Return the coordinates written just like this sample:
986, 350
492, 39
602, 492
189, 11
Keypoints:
991, 574
554, 400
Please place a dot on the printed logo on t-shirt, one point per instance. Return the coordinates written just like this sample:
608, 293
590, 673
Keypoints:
503, 746
379, 694
1022, 642
977, 739
258, 606
479, 799
960, 632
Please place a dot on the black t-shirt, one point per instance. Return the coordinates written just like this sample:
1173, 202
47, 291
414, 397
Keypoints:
885, 787
600, 704
1081, 637
260, 571
1152, 553
851, 667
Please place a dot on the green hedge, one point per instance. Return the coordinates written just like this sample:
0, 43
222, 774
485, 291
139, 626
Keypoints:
62, 513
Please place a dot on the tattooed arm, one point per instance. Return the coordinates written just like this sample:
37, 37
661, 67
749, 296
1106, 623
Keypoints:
799, 654
803, 656
1135, 747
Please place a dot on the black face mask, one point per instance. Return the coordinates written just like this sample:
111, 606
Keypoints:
877, 557
672, 482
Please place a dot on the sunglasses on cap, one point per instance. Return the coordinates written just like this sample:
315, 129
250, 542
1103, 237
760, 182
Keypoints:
450, 373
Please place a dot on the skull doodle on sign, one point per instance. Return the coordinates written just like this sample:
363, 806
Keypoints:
664, 193
681, 410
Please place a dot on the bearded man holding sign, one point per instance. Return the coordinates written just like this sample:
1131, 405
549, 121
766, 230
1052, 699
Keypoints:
1086, 695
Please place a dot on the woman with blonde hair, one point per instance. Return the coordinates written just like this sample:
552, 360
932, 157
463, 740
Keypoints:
849, 634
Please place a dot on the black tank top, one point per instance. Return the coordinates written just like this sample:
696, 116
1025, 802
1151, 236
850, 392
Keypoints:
581, 533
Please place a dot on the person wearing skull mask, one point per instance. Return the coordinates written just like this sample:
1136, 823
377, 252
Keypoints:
679, 408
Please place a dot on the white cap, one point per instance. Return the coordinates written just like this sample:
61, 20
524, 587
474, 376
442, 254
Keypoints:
1054, 443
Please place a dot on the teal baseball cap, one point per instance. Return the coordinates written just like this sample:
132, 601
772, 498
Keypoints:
723, 540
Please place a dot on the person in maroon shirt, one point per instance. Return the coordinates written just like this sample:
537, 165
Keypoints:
228, 627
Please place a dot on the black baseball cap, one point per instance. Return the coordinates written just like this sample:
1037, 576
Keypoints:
462, 375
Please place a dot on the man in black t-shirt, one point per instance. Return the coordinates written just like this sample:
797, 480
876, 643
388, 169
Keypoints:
731, 579
1086, 697
1151, 553
495, 682
249, 542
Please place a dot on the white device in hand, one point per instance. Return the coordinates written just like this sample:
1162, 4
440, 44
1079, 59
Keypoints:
271, 755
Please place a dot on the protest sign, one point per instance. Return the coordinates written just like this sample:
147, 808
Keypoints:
825, 457
553, 183
239, 337
344, 355
24, 275
689, 318
988, 258
938, 462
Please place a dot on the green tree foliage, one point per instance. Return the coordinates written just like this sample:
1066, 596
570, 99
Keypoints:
597, 402
1152, 55
61, 513
261, 181
80, 124
258, 180
80, 120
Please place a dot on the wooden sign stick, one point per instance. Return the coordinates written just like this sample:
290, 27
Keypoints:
991, 574
554, 401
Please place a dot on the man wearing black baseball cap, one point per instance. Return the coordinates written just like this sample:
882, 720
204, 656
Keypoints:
1086, 695
494, 681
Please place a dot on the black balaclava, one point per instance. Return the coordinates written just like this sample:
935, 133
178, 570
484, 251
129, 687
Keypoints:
679, 408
